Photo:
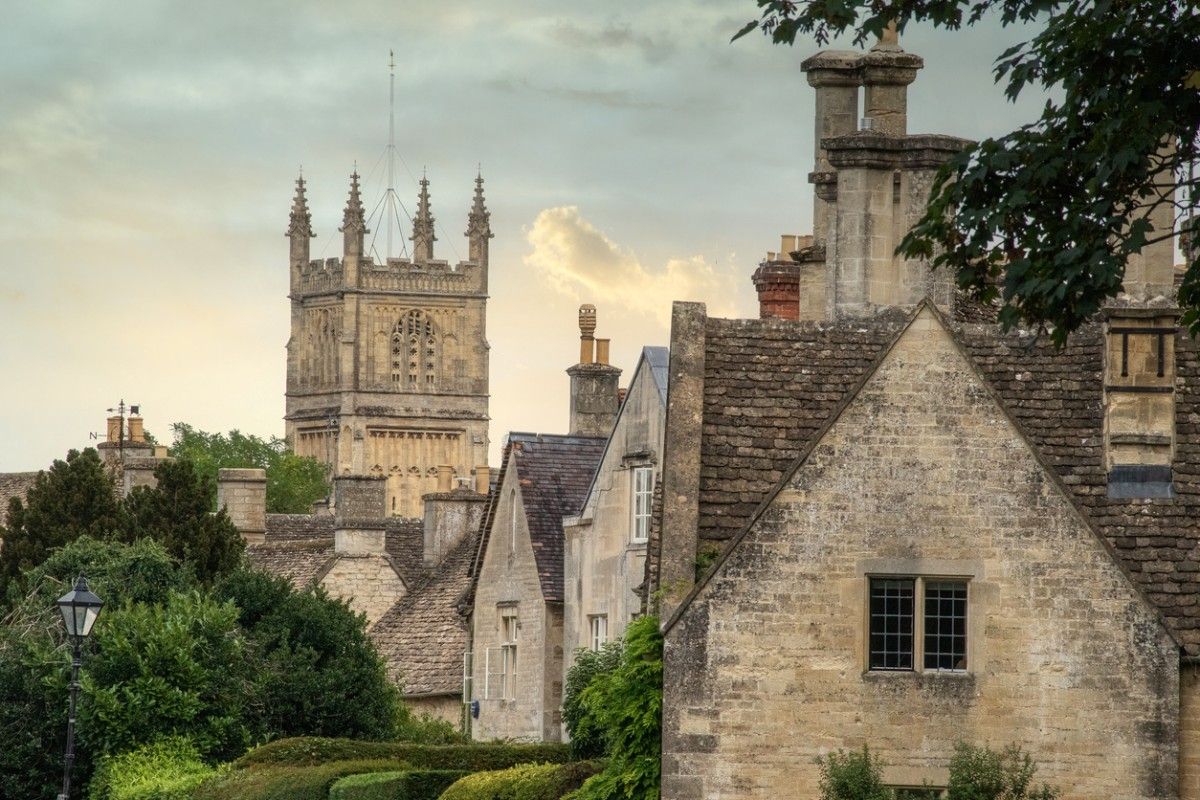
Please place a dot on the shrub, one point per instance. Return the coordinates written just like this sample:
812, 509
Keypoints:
627, 702
856, 775
159, 670
426, 728
33, 716
980, 773
588, 736
303, 751
169, 769
284, 782
523, 782
407, 785
317, 672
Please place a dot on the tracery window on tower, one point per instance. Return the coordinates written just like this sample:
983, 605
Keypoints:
414, 346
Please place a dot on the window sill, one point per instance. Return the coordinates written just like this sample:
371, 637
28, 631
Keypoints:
918, 676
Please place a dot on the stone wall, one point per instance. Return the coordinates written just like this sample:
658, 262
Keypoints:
444, 707
1189, 732
921, 475
603, 565
368, 582
509, 583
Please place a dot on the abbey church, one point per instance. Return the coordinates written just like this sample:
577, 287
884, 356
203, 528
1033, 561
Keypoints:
387, 366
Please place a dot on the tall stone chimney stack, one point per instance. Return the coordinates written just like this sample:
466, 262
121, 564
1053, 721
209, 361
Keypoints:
242, 493
593, 381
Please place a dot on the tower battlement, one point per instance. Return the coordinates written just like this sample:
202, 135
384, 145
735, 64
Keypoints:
388, 359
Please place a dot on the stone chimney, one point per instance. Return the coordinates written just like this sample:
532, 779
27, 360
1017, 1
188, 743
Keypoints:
449, 516
360, 511
137, 430
593, 382
242, 493
483, 479
1150, 274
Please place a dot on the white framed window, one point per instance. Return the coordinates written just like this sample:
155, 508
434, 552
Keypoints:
643, 494
598, 625
509, 631
917, 624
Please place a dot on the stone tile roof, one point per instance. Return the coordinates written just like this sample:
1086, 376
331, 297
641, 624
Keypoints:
770, 385
299, 546
555, 473
423, 637
14, 484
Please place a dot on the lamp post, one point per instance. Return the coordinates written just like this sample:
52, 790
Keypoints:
79, 608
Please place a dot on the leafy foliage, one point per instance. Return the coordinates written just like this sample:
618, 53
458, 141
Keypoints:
73, 498
282, 782
588, 736
1053, 210
426, 728
165, 670
307, 751
628, 703
169, 769
523, 782
404, 785
317, 672
293, 482
33, 715
177, 513
856, 775
980, 773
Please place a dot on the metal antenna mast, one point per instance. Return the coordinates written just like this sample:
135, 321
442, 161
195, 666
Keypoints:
391, 187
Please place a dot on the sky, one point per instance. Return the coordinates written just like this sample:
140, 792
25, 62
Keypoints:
632, 156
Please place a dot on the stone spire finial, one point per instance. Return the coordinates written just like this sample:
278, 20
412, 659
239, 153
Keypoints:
479, 226
354, 223
423, 236
299, 228
300, 221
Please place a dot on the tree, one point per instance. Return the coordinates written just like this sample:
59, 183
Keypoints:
176, 513
1045, 218
73, 498
293, 482
318, 673
588, 736
627, 702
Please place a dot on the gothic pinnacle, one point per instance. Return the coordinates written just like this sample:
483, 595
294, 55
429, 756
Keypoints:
479, 220
423, 235
300, 221
353, 217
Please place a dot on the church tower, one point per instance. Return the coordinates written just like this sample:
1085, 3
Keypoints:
387, 364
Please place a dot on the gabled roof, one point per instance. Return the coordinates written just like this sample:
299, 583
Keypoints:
422, 637
772, 386
300, 547
554, 472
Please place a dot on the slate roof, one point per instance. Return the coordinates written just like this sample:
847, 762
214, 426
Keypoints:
423, 637
554, 472
770, 385
14, 484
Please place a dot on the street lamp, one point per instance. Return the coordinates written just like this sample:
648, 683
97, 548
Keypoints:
79, 608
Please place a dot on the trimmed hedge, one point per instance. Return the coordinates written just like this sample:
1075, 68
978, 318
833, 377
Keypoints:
524, 782
288, 782
427, 784
308, 751
169, 769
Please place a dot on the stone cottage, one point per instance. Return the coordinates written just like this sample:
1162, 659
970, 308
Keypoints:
605, 555
922, 530
517, 651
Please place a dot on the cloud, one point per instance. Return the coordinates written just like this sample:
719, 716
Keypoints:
613, 36
580, 260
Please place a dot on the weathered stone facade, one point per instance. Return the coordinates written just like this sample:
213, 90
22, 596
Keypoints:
388, 363
517, 604
605, 558
920, 473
